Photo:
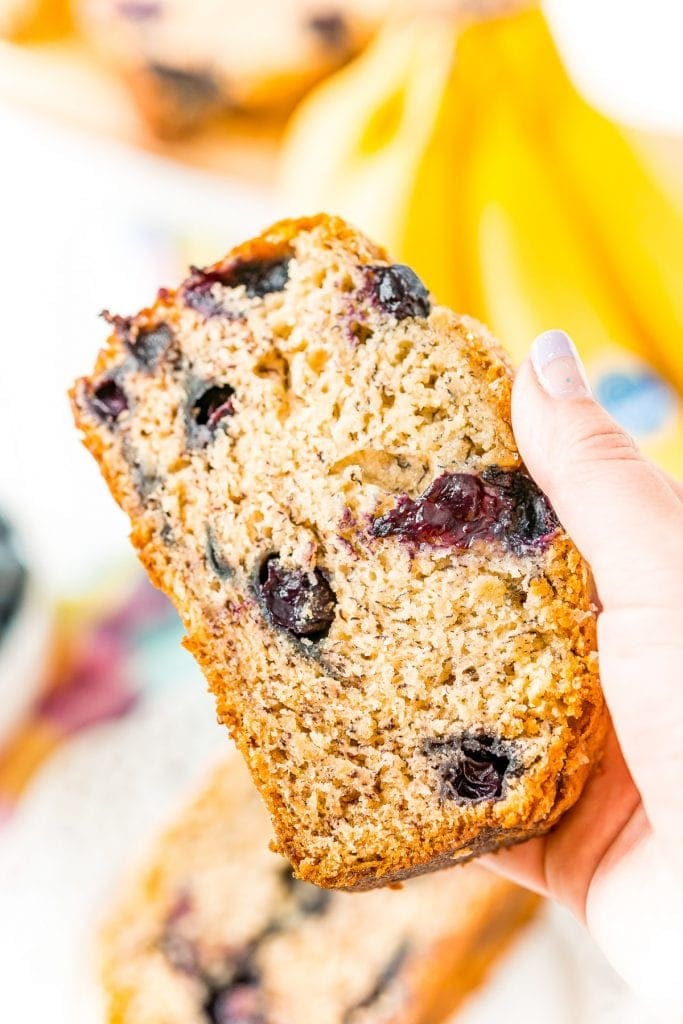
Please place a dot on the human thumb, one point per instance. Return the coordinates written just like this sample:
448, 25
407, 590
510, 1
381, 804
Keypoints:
627, 521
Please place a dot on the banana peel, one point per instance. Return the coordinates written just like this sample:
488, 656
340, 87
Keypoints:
466, 149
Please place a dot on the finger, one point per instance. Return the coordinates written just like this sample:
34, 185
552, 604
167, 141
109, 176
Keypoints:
616, 505
675, 485
627, 520
523, 864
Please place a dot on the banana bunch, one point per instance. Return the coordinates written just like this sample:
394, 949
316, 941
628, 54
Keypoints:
462, 144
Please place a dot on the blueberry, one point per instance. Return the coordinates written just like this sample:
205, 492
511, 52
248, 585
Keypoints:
146, 344
197, 292
531, 516
472, 768
459, 508
194, 91
298, 601
13, 576
149, 344
331, 28
259, 278
108, 400
398, 290
239, 1002
212, 405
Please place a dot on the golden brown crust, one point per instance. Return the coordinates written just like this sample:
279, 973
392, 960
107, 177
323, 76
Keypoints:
528, 617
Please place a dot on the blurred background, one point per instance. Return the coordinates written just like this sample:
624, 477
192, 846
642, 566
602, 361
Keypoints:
526, 159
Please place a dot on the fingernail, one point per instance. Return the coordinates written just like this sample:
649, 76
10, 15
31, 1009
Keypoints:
558, 366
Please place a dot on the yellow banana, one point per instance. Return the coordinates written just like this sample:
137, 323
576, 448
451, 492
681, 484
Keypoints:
632, 228
530, 266
466, 149
362, 134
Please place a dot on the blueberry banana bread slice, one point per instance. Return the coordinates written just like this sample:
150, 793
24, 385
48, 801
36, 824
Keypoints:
188, 61
217, 931
320, 471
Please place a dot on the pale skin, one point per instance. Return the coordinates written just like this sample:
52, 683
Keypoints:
616, 859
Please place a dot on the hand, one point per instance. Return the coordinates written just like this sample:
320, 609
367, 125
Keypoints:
616, 859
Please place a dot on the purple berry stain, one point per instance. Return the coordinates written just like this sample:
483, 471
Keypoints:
458, 509
398, 290
300, 602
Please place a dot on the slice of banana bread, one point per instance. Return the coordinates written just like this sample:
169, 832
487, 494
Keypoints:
189, 62
217, 930
320, 471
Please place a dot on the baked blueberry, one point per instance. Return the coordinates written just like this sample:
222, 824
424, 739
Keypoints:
145, 344
198, 294
331, 28
149, 345
108, 400
259, 278
472, 768
240, 1002
238, 1005
459, 508
300, 602
398, 290
212, 405
529, 518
